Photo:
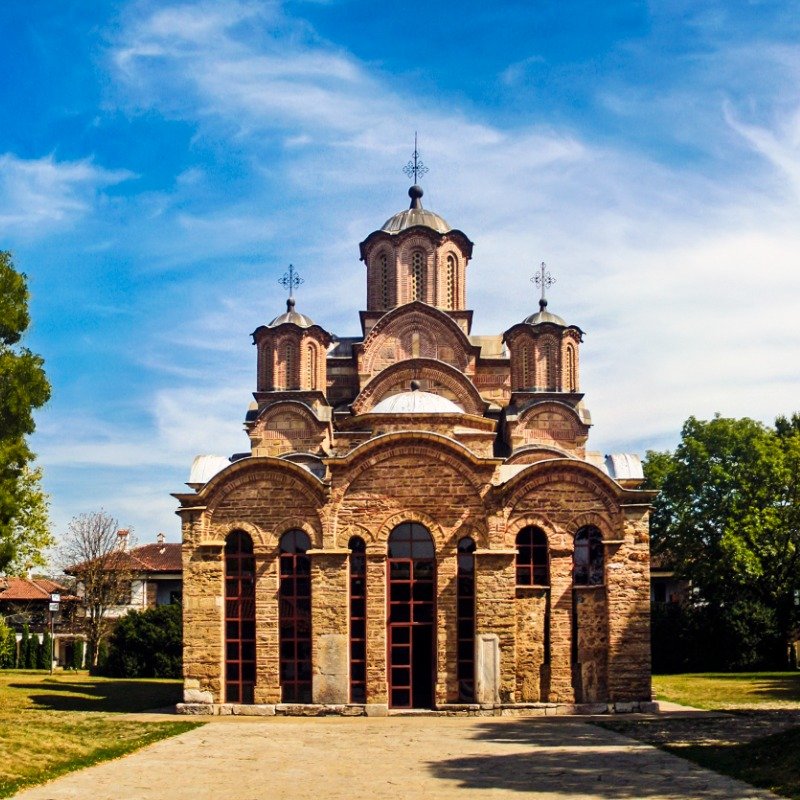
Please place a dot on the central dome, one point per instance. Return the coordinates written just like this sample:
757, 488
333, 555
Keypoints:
415, 215
416, 402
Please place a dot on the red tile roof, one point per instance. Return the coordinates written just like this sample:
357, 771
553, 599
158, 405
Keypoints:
163, 557
29, 588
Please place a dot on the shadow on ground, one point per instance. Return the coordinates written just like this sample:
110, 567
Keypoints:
100, 695
553, 758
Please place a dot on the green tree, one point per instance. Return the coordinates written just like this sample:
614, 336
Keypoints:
24, 531
727, 518
24, 648
8, 646
45, 651
77, 654
147, 644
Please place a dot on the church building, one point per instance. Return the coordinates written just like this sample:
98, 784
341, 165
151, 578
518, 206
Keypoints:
417, 523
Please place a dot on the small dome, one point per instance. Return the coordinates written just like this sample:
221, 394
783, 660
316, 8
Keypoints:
295, 317
416, 402
415, 215
543, 315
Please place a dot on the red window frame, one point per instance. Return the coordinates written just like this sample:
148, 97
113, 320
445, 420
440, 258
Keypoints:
240, 618
533, 557
465, 620
358, 620
294, 613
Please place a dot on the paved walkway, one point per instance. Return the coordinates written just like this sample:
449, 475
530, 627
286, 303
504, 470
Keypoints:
395, 757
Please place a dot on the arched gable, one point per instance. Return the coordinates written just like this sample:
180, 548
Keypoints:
393, 339
250, 470
562, 470
403, 372
289, 418
551, 422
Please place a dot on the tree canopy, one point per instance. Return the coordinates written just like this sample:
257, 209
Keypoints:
24, 528
728, 519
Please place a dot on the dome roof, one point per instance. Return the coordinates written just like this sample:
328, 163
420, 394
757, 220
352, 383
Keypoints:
415, 215
416, 402
295, 317
543, 315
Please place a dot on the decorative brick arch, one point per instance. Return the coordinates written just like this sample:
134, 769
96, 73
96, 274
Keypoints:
296, 523
603, 523
294, 407
390, 445
256, 470
425, 369
519, 521
253, 531
388, 525
437, 326
562, 470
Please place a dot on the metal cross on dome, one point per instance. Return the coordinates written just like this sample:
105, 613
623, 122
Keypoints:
543, 279
290, 280
415, 168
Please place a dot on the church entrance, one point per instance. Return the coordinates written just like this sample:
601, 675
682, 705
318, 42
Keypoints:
411, 631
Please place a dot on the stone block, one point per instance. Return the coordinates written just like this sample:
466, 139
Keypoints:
195, 709
376, 709
197, 696
260, 710
487, 668
330, 682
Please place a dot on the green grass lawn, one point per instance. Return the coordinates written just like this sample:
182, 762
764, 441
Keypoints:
730, 690
50, 725
756, 700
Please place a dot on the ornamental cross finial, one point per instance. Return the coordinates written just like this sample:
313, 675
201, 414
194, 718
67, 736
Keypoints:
545, 280
415, 168
290, 280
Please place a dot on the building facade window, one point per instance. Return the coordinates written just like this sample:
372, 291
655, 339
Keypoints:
358, 620
465, 620
240, 618
451, 279
311, 366
588, 557
418, 275
533, 562
571, 370
385, 278
294, 614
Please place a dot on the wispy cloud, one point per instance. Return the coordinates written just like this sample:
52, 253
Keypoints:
43, 194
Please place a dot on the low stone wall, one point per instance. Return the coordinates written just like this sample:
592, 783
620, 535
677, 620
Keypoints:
379, 710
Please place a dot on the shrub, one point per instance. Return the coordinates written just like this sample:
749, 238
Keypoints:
8, 646
147, 644
78, 648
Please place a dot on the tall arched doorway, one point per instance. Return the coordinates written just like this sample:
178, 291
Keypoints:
295, 618
411, 631
240, 618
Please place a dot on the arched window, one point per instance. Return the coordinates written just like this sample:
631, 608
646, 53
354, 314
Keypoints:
295, 617
418, 275
451, 282
383, 269
290, 366
311, 366
240, 618
465, 621
358, 620
525, 366
587, 558
571, 372
532, 557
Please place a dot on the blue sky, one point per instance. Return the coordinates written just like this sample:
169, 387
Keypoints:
161, 164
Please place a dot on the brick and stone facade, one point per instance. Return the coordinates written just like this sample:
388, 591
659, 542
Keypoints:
505, 567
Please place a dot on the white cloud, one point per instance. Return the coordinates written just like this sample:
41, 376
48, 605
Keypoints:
39, 195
